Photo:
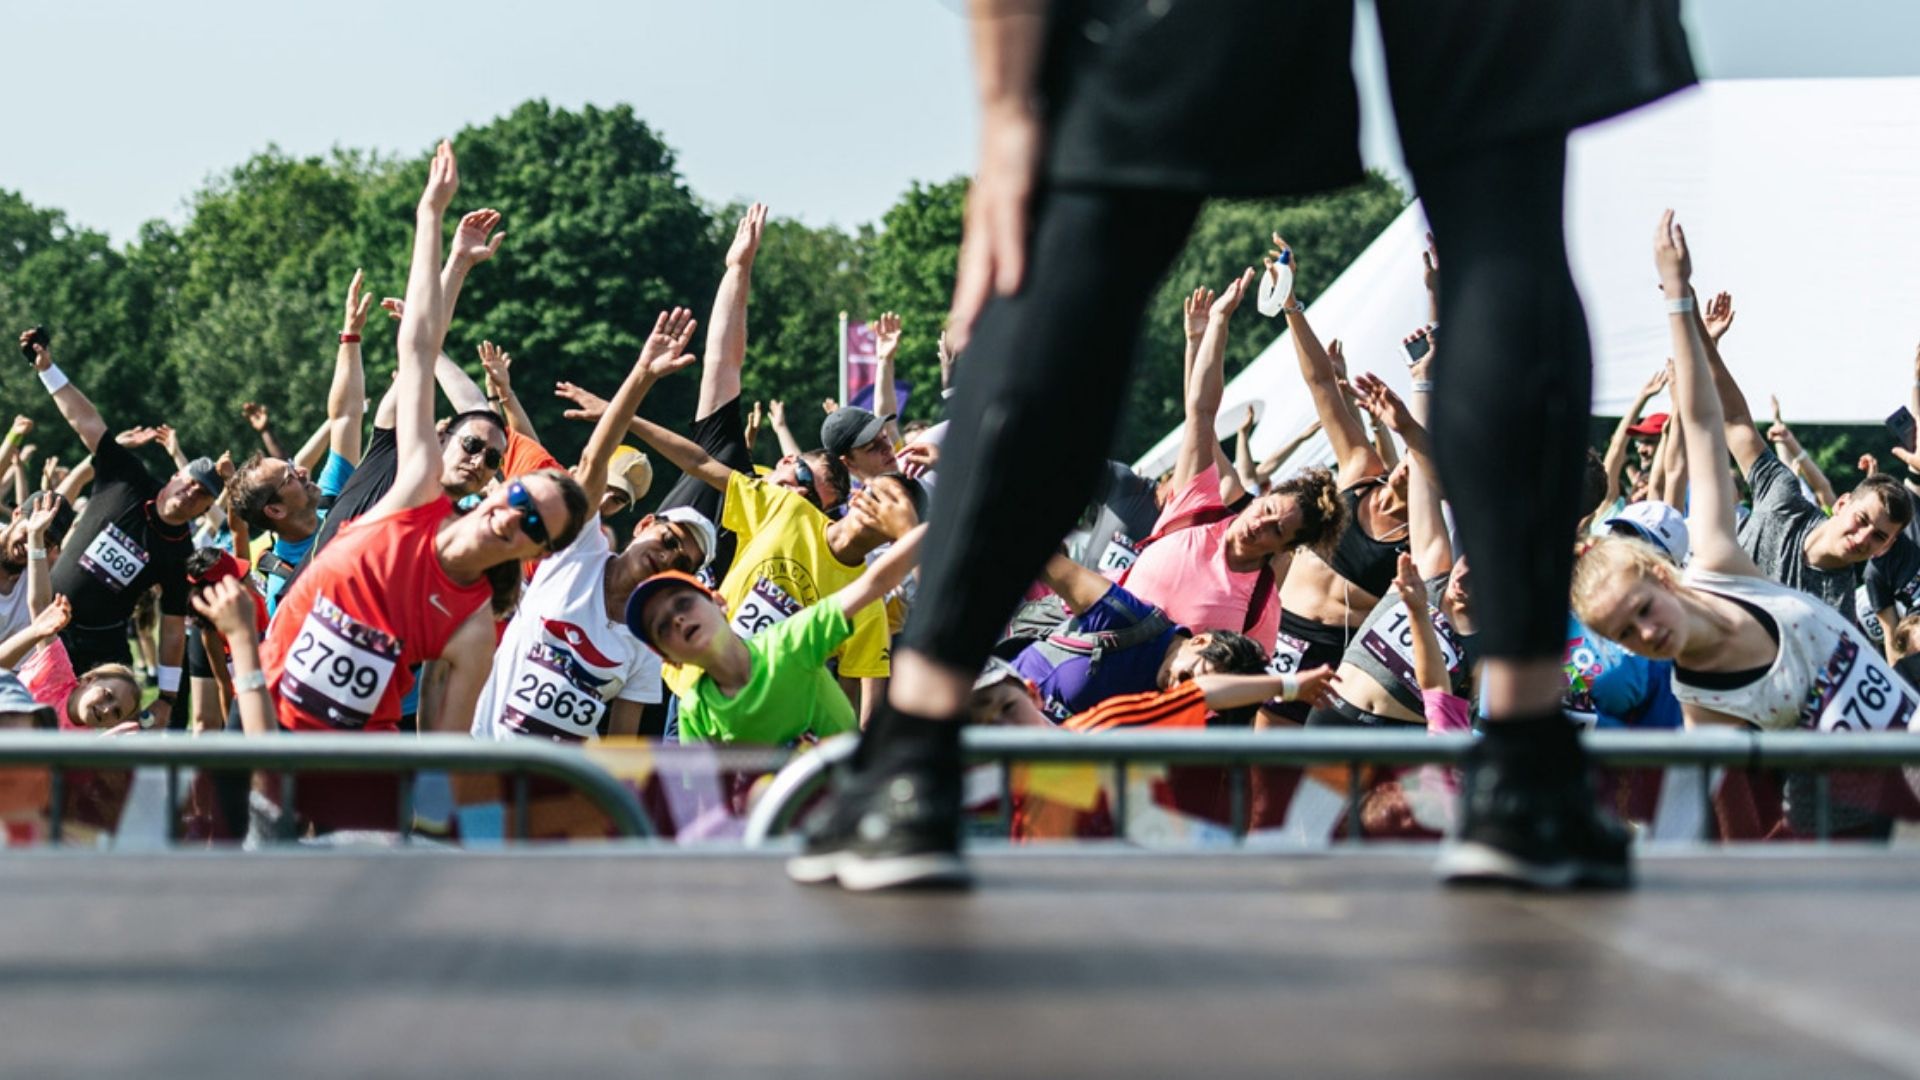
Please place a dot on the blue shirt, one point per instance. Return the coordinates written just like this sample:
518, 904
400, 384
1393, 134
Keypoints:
1609, 687
1072, 685
333, 477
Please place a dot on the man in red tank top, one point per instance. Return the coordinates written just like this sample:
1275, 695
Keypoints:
408, 582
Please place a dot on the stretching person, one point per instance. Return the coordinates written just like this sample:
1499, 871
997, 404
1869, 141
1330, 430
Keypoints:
407, 582
1096, 153
1746, 649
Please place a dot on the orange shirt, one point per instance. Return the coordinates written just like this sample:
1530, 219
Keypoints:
1184, 706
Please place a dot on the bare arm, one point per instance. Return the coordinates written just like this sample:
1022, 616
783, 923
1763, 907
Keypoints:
777, 419
497, 363
1291, 447
74, 406
11, 458
1199, 442
77, 479
1238, 691
1787, 445
884, 574
1353, 454
1674, 490
1429, 663
623, 719
663, 354
314, 450
1427, 536
685, 454
47, 622
726, 350
423, 328
347, 394
1078, 586
466, 661
1742, 435
1697, 401
886, 396
1615, 459
1243, 466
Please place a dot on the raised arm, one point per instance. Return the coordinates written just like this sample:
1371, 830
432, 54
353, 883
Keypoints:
314, 450
664, 353
1243, 466
1696, 400
883, 575
1742, 435
77, 479
1787, 446
685, 454
777, 420
1429, 663
1427, 536
474, 242
1353, 455
1199, 442
726, 349
886, 395
262, 423
1616, 457
497, 363
11, 459
48, 621
423, 328
1288, 449
1079, 587
228, 606
73, 405
39, 572
1673, 484
347, 394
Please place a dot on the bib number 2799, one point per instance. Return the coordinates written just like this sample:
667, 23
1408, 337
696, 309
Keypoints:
338, 668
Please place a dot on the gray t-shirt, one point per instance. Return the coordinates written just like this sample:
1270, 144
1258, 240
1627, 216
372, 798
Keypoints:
1383, 647
1775, 535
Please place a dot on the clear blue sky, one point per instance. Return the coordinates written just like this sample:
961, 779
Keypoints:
826, 109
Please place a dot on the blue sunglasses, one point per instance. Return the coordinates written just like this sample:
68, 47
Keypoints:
519, 499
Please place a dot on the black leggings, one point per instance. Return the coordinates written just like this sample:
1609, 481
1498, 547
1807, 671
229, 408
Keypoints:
1042, 384
1040, 389
1512, 385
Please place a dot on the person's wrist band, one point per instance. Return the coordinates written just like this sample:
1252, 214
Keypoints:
169, 679
1289, 687
53, 379
1423, 386
252, 680
1800, 457
1681, 306
38, 554
349, 339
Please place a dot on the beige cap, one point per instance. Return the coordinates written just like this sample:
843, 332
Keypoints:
630, 472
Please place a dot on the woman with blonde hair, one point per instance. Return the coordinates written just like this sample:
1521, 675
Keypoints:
1746, 650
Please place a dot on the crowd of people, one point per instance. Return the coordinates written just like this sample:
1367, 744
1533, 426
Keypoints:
443, 572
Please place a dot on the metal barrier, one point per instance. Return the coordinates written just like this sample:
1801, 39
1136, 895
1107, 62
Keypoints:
292, 754
1705, 750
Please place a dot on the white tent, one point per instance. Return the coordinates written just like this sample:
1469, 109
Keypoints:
1800, 196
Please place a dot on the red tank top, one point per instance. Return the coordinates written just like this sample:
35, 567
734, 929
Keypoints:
375, 602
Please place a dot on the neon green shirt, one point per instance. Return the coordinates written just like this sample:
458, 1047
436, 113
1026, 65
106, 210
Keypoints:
790, 692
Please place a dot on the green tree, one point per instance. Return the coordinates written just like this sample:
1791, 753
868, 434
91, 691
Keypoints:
910, 270
802, 279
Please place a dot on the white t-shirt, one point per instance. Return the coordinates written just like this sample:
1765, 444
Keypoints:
14, 612
562, 662
1826, 675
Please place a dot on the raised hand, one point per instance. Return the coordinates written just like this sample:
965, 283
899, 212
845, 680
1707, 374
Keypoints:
1778, 430
1230, 297
54, 617
1430, 267
443, 179
587, 406
1719, 316
224, 466
42, 517
256, 414
227, 606
665, 351
169, 438
947, 357
755, 420
1337, 356
1406, 581
137, 436
22, 427
1375, 396
746, 236
918, 459
498, 365
470, 244
51, 473
886, 336
1193, 312
27, 452
777, 413
1272, 260
1868, 464
42, 359
1670, 256
1247, 424
358, 305
394, 307
1658, 382
884, 509
1315, 685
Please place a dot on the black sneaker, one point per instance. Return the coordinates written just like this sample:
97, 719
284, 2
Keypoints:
1532, 827
886, 829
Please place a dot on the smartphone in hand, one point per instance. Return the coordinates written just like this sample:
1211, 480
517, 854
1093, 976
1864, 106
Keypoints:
1901, 423
1418, 346
40, 336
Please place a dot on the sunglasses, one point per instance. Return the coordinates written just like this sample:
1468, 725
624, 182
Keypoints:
804, 473
474, 444
522, 500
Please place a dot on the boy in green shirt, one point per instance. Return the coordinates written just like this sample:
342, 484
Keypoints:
773, 688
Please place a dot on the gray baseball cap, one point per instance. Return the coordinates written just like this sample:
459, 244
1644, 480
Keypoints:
850, 427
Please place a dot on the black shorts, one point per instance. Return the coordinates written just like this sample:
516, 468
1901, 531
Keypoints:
1302, 646
1344, 713
1261, 100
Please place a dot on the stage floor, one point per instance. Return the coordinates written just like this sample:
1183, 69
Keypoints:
1057, 965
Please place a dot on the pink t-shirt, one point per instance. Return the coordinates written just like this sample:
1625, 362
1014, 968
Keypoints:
48, 676
1185, 573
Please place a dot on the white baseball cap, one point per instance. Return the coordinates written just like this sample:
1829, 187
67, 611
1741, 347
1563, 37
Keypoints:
695, 522
1656, 523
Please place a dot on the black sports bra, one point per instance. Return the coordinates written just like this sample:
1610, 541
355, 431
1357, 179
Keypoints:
1368, 563
1733, 680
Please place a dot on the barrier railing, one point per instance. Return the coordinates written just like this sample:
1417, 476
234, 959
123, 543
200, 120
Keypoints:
292, 755
1791, 750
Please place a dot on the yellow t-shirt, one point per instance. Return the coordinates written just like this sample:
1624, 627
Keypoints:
782, 566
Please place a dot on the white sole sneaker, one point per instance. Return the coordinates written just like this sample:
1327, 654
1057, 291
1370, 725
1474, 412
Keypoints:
857, 873
1467, 862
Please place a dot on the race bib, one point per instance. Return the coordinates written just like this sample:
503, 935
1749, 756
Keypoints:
1390, 641
548, 699
765, 606
115, 558
338, 668
1289, 653
1583, 668
1119, 556
1857, 693
1866, 618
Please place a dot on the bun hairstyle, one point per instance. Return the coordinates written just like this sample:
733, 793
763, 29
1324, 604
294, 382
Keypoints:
1602, 559
1906, 635
1323, 514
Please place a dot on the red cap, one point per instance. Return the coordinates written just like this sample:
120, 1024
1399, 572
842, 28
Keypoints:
1654, 424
